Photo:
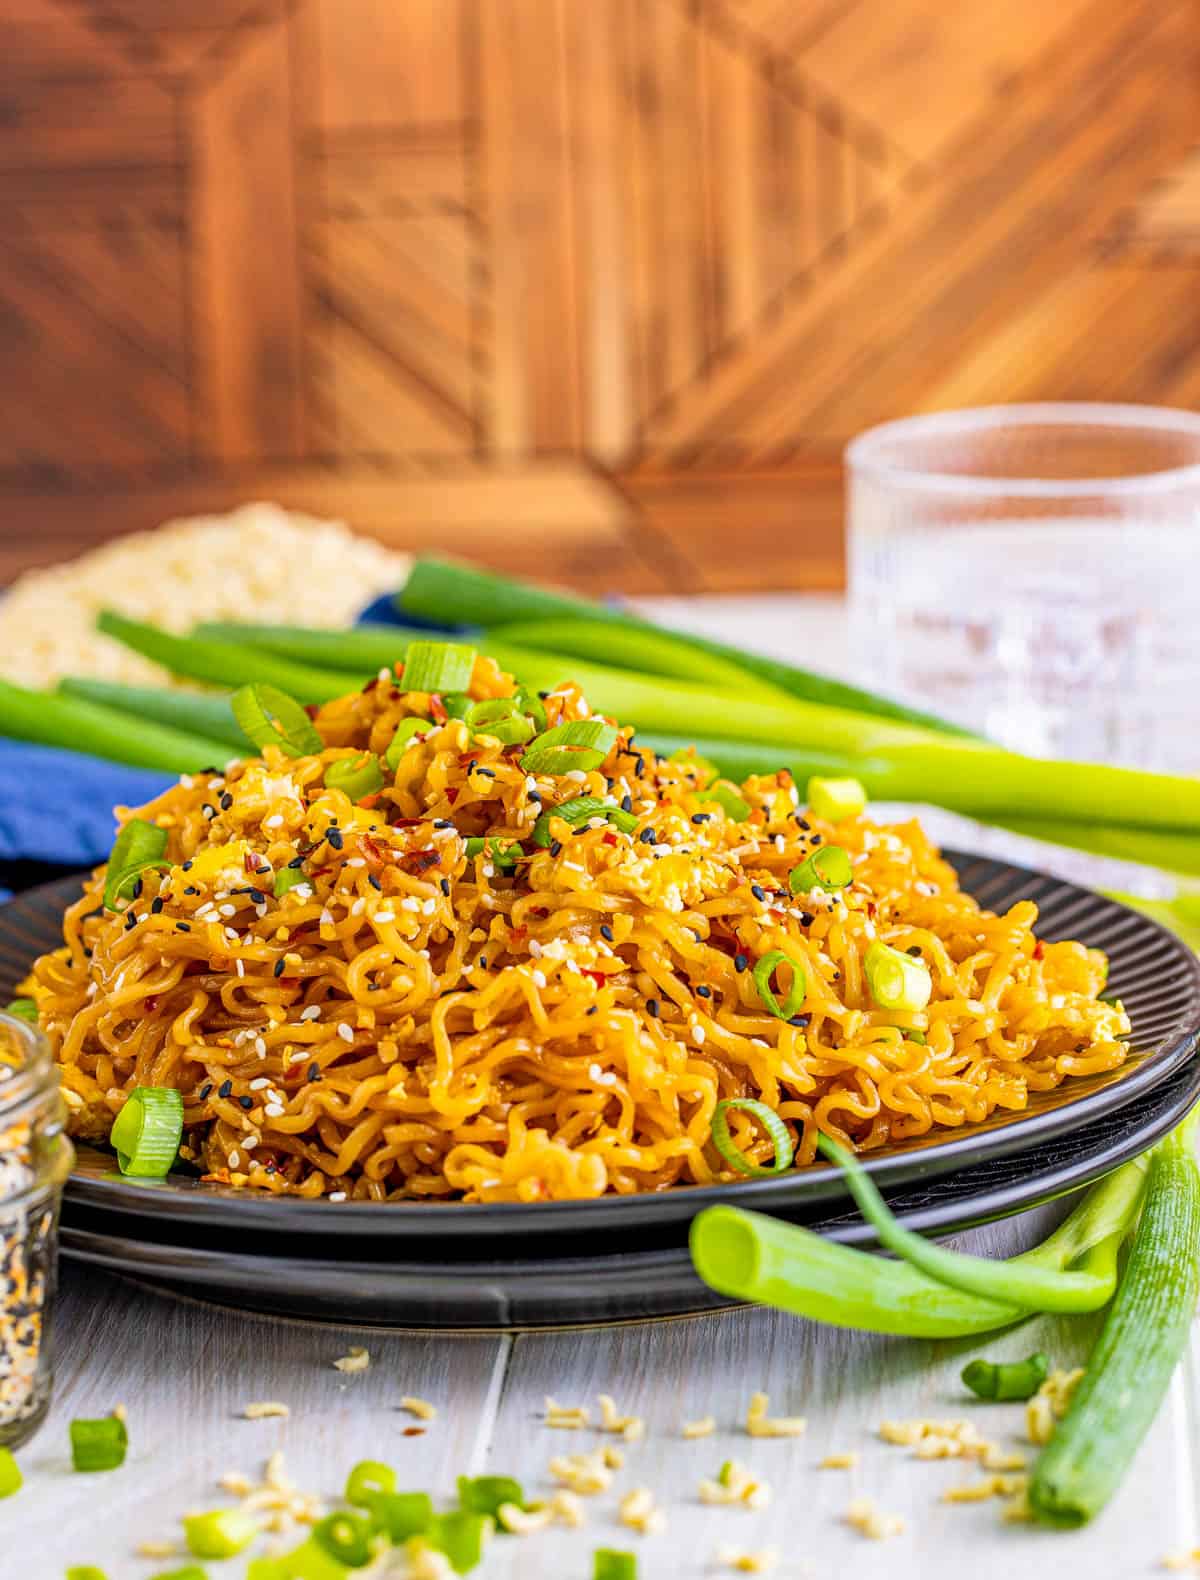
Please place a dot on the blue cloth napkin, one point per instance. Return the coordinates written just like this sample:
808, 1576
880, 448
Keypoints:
56, 809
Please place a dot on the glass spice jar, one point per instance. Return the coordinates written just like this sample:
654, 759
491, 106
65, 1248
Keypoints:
35, 1159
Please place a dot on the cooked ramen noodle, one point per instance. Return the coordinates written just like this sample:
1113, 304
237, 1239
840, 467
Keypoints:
556, 1012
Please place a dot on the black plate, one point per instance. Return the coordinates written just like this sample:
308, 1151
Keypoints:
324, 1278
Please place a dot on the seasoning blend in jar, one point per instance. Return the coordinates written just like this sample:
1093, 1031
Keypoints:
35, 1159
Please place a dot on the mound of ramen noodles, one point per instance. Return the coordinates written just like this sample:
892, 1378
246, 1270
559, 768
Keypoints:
452, 949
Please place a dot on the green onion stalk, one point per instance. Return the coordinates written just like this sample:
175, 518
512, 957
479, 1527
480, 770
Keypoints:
79, 726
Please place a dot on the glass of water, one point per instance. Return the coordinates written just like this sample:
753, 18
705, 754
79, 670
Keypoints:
1033, 572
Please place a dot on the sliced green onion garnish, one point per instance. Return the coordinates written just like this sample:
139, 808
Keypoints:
501, 718
608, 1564
1006, 1379
485, 1494
401, 1515
725, 795
345, 1537
98, 1445
138, 846
836, 799
223, 1533
763, 971
462, 1537
689, 757
579, 743
271, 718
147, 1132
914, 1035
368, 1478
828, 867
24, 1009
11, 1479
579, 811
438, 666
780, 1136
402, 740
355, 777
896, 980
457, 704
504, 856
288, 878
533, 705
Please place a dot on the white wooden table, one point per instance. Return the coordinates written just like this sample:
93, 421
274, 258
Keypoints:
184, 1372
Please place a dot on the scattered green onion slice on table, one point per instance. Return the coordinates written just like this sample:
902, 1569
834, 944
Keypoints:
777, 1131
146, 1133
85, 1572
402, 740
485, 1494
366, 1479
188, 1572
836, 799
578, 811
504, 856
221, 1533
271, 718
98, 1445
24, 1009
138, 846
461, 1537
608, 1564
896, 980
11, 1479
502, 719
577, 743
401, 1515
345, 1537
828, 867
355, 777
763, 972
725, 795
1006, 1379
438, 666
288, 878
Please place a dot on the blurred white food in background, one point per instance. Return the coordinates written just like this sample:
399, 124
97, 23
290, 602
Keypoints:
259, 563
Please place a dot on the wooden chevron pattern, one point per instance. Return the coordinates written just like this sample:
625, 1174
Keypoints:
602, 286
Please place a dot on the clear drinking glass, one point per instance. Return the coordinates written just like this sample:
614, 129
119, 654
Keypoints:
1032, 571
35, 1159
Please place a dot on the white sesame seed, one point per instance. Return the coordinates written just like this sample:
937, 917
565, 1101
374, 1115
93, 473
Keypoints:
260, 1047
274, 1110
337, 1195
274, 821
311, 1013
384, 916
538, 978
356, 861
240, 966
226, 910
345, 1032
260, 1083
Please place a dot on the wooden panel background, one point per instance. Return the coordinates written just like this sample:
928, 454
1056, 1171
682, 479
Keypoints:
596, 287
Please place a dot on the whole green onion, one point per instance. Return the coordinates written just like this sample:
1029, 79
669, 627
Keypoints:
345, 1537
437, 666
98, 1445
403, 738
199, 714
1006, 1379
828, 867
74, 725
138, 847
778, 1134
896, 980
24, 1009
836, 799
401, 1515
269, 717
222, 1533
485, 1494
368, 1478
577, 743
763, 971
288, 878
355, 777
147, 1132
11, 1479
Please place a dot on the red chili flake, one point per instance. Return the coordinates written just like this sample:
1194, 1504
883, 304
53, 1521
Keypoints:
598, 977
608, 839
395, 694
151, 1003
438, 708
452, 794
289, 982
369, 801
371, 684
417, 861
1039, 950
407, 822
538, 910
369, 848
312, 709
414, 1431
519, 932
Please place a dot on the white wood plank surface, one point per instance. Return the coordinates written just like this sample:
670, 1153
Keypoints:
185, 1370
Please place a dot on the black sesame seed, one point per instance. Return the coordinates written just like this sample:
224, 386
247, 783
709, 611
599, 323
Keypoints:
757, 890
577, 831
334, 836
704, 992
442, 822
543, 695
556, 847
740, 962
648, 836
536, 795
701, 817
639, 767
314, 1071
482, 962
592, 1010
156, 905
247, 1102
445, 885
375, 883
130, 921
486, 773
799, 1020
652, 1008
187, 866
913, 949
807, 918
279, 967
225, 1088
606, 932
182, 927
205, 1090
816, 839
191, 889
213, 771
226, 802
626, 803
257, 896
137, 889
